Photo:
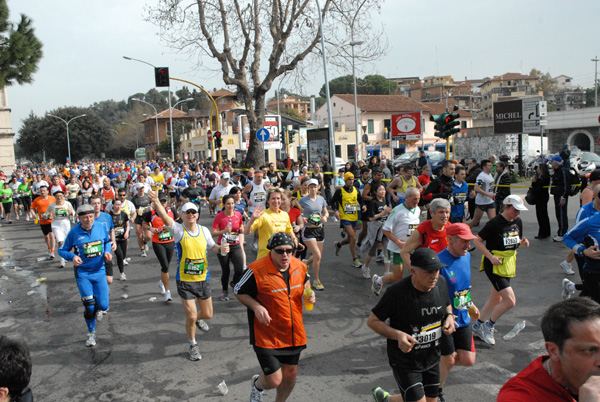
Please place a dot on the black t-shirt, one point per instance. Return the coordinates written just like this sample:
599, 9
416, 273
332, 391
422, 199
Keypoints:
418, 314
376, 207
120, 224
274, 178
141, 202
193, 193
500, 234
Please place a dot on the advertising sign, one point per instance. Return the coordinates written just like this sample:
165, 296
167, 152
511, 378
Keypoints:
517, 116
406, 126
140, 154
272, 124
318, 144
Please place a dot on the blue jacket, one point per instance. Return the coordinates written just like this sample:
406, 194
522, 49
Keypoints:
90, 246
583, 235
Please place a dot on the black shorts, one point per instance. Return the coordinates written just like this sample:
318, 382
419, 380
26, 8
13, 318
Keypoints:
17, 201
461, 339
317, 234
270, 360
194, 290
414, 385
172, 194
7, 206
138, 220
108, 267
498, 282
485, 207
46, 229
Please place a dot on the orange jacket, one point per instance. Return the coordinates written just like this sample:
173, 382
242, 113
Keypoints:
285, 308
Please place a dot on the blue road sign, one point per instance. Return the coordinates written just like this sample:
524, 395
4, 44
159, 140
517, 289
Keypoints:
263, 135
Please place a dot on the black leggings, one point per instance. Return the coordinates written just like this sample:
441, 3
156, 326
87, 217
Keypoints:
591, 281
164, 253
121, 253
234, 256
26, 203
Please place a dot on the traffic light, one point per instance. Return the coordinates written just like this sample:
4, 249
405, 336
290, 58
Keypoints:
440, 120
161, 76
218, 139
292, 134
282, 137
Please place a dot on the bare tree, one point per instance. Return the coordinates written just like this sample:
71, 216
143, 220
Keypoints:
255, 41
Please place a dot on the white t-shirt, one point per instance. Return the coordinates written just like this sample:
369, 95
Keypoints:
401, 222
177, 232
485, 181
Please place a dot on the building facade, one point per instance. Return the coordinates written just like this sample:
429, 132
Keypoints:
7, 136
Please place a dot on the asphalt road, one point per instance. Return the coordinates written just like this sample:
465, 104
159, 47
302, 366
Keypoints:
141, 353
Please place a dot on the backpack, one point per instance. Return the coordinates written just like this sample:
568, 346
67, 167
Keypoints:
574, 182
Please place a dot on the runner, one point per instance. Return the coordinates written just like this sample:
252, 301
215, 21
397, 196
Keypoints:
121, 224
25, 191
192, 243
73, 192
105, 219
14, 184
346, 202
162, 241
91, 243
379, 209
221, 190
315, 214
274, 177
458, 349
107, 193
459, 195
502, 235
57, 185
86, 192
228, 225
419, 314
484, 199
141, 203
40, 205
194, 194
61, 213
398, 186
398, 228
6, 194
278, 351
255, 194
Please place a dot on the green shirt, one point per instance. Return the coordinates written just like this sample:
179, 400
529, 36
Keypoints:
24, 190
6, 195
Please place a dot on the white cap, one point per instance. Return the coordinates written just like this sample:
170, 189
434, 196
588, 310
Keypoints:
188, 206
516, 202
313, 181
225, 175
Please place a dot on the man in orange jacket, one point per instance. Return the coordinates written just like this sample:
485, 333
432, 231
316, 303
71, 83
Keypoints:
272, 288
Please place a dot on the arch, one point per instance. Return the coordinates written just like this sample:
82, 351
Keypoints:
582, 138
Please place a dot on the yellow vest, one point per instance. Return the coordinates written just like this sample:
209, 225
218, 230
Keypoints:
508, 268
192, 261
349, 205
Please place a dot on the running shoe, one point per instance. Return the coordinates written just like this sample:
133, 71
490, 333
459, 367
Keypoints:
366, 272
126, 261
357, 264
63, 263
568, 268
122, 277
18, 218
441, 396
91, 339
195, 352
557, 238
143, 253
161, 287
376, 287
488, 334
51, 255
568, 288
255, 244
343, 233
478, 331
380, 257
26, 219
99, 315
168, 296
225, 296
255, 394
202, 325
317, 285
337, 247
379, 395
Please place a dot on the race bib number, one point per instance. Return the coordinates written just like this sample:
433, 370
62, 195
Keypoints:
119, 231
259, 197
45, 215
462, 299
428, 334
165, 235
61, 213
193, 266
6, 196
232, 237
511, 239
459, 198
92, 249
350, 209
412, 227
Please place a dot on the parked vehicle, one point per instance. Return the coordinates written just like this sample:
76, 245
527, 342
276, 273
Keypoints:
587, 163
339, 163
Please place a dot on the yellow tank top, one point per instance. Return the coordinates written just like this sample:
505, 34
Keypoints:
349, 205
405, 185
192, 261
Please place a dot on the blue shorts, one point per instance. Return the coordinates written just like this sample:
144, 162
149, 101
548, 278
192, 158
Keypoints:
349, 223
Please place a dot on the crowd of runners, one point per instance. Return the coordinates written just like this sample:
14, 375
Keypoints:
392, 218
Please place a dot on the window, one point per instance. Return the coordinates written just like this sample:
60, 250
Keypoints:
371, 128
463, 124
350, 150
223, 101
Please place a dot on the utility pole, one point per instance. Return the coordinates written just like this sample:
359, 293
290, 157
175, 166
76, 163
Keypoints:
596, 60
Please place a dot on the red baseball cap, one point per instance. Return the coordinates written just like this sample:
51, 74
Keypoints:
461, 230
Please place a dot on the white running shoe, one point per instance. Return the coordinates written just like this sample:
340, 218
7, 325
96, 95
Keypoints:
143, 254
99, 315
202, 325
366, 272
91, 339
357, 264
568, 288
122, 276
255, 394
568, 268
126, 261
63, 262
478, 331
195, 352
168, 296
161, 286
375, 286
557, 238
488, 334
380, 257
51, 255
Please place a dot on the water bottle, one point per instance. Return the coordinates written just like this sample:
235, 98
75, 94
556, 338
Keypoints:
307, 294
513, 332
223, 242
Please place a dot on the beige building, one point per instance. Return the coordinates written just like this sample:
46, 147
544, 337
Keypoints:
289, 102
7, 147
505, 87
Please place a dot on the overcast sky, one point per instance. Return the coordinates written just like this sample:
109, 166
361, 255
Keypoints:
84, 41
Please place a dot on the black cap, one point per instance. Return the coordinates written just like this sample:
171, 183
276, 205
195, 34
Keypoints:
425, 258
162, 197
595, 175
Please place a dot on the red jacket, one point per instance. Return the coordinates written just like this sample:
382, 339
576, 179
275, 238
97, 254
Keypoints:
285, 308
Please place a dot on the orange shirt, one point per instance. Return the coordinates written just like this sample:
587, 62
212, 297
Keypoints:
42, 206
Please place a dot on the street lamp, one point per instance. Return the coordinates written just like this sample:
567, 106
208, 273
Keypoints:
172, 137
155, 115
67, 123
358, 144
596, 60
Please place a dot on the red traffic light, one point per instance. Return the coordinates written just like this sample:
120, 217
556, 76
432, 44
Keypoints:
217, 134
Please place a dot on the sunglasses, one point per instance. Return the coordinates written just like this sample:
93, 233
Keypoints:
122, 195
191, 211
281, 251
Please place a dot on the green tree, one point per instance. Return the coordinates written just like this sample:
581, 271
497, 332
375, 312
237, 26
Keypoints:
339, 85
370, 85
543, 81
293, 113
20, 49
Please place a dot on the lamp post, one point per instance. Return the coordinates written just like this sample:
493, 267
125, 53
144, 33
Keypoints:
172, 137
155, 115
358, 144
596, 60
67, 123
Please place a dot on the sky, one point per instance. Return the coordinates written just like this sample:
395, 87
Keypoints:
84, 41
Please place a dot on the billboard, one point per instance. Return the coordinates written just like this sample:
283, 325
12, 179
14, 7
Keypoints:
517, 116
406, 126
318, 144
140, 154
